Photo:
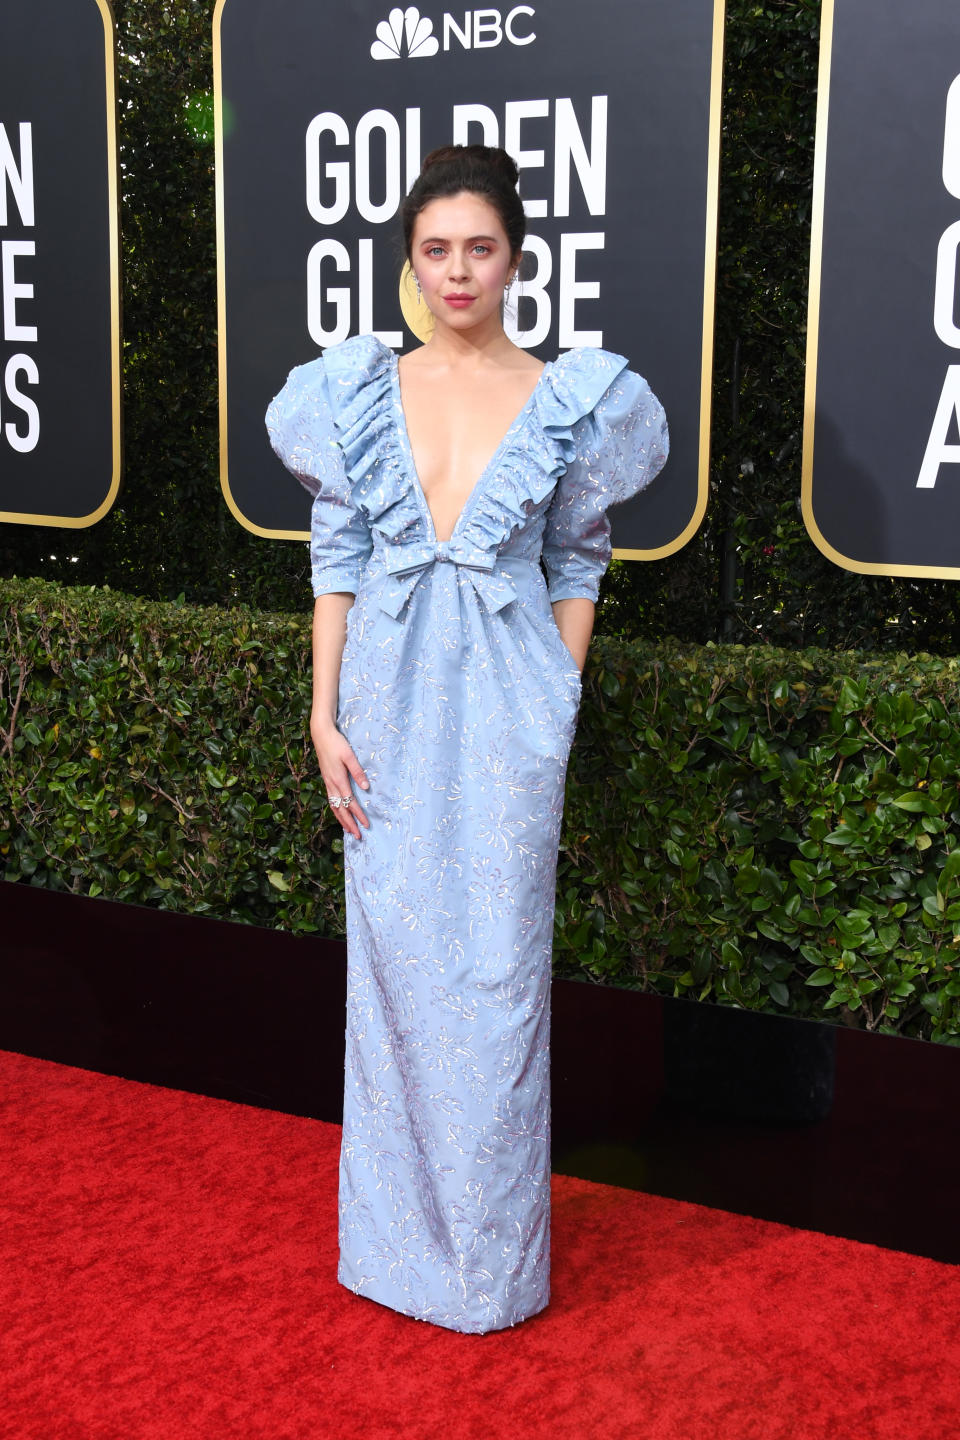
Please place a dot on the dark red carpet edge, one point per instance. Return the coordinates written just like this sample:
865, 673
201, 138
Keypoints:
168, 1272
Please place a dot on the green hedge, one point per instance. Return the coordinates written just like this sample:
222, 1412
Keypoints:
770, 829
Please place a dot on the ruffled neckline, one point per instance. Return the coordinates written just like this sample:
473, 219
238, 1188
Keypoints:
538, 446
519, 421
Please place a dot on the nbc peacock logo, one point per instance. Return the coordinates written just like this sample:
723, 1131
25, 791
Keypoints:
405, 32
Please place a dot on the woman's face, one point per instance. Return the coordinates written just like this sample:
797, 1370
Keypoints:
461, 255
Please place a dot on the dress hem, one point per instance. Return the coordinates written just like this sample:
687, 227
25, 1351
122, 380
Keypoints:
462, 1328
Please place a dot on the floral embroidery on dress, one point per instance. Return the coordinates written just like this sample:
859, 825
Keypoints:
459, 698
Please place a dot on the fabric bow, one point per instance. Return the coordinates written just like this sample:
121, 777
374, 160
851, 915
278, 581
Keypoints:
407, 564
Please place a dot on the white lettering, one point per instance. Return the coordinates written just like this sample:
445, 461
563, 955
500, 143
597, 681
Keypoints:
413, 146
466, 115
338, 297
938, 452
386, 123
578, 155
484, 29
19, 178
951, 141
947, 415
571, 290
450, 26
508, 26
382, 155
571, 150
19, 181
533, 289
336, 170
365, 325
516, 111
944, 307
486, 22
22, 365
12, 292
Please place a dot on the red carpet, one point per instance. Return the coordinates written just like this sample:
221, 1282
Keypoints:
168, 1274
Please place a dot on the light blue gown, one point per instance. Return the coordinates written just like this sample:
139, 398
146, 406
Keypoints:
460, 700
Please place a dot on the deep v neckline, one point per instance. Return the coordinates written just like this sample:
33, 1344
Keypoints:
401, 419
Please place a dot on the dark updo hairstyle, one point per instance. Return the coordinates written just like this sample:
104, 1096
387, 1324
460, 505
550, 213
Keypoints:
483, 170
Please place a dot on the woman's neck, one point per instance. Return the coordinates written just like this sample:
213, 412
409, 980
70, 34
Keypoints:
478, 346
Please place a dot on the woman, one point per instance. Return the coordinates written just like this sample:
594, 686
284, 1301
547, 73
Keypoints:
446, 686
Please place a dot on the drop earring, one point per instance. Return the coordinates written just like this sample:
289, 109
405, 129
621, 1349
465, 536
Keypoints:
417, 280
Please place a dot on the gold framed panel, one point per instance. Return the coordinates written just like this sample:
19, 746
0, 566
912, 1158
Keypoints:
81, 522
845, 562
709, 298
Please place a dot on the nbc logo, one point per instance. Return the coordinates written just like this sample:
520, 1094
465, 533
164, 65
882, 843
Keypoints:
404, 27
407, 32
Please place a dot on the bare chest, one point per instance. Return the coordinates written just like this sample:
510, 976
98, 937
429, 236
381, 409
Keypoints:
455, 430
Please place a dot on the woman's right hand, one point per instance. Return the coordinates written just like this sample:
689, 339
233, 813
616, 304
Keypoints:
339, 767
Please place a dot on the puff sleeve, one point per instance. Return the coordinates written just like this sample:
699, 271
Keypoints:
621, 445
303, 435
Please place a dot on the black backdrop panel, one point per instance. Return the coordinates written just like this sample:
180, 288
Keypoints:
881, 365
59, 286
618, 122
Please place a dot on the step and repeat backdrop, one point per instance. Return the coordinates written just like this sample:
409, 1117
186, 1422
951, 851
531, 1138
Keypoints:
325, 111
59, 263
881, 482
